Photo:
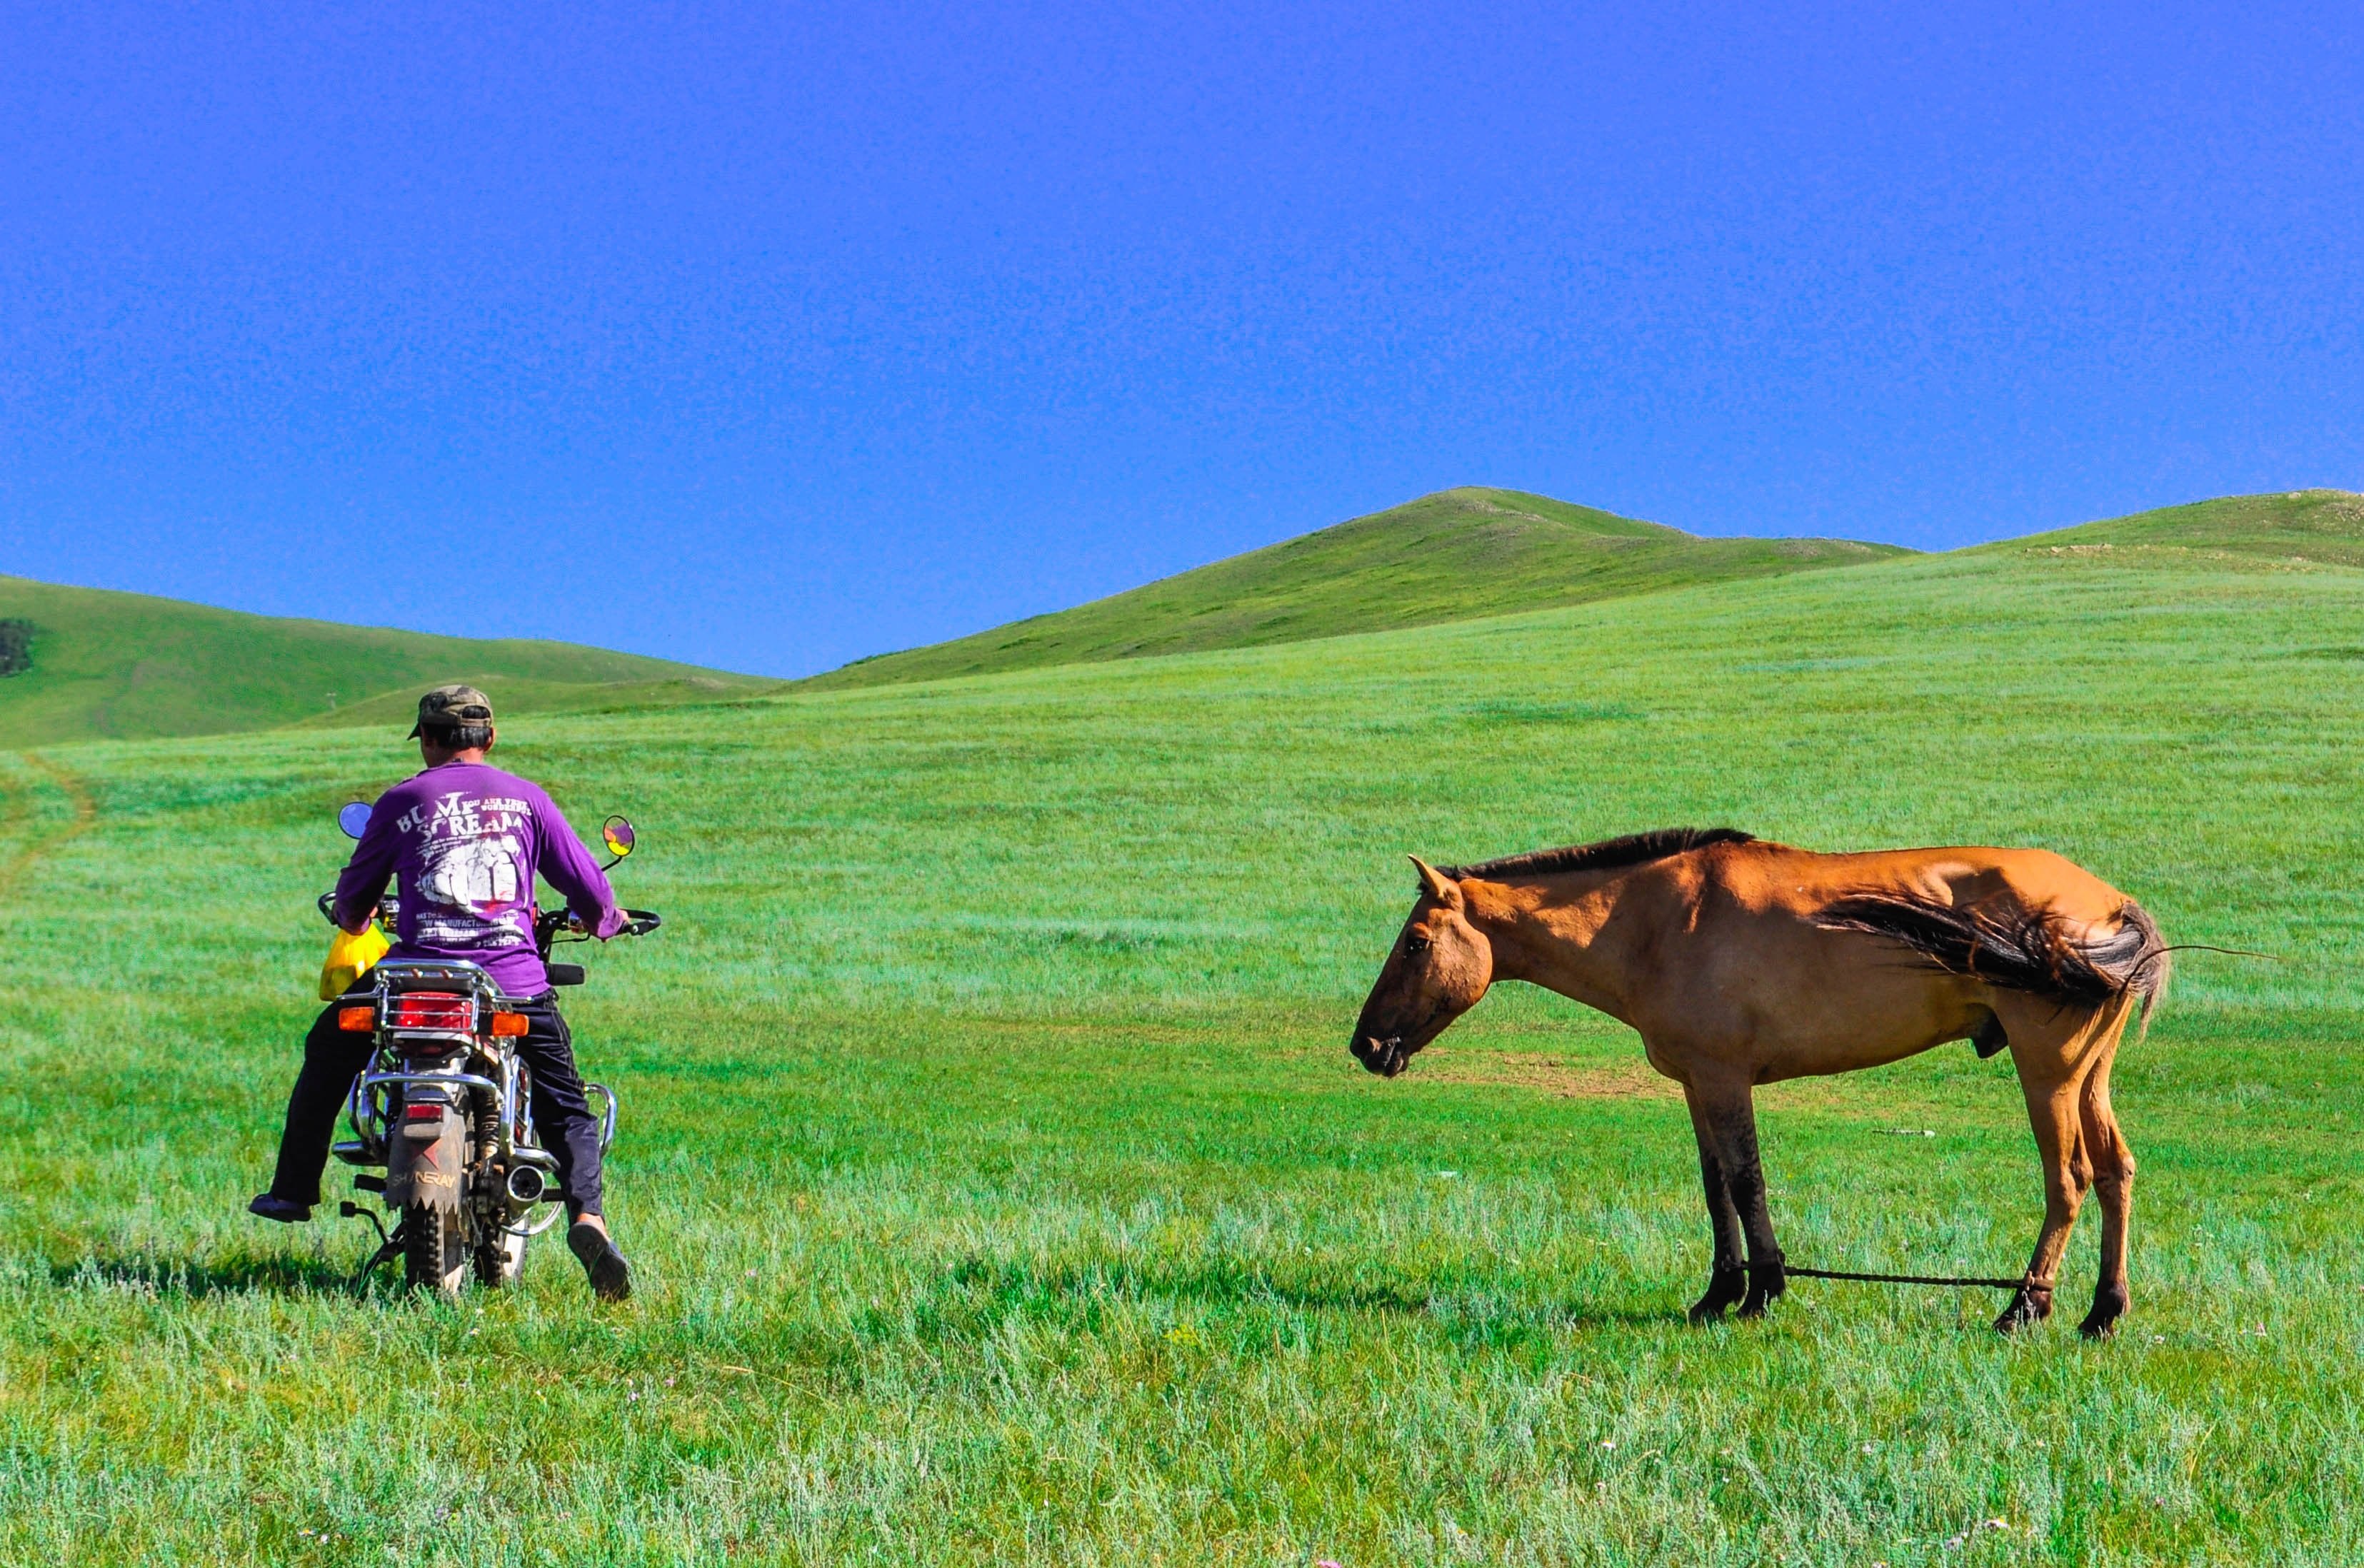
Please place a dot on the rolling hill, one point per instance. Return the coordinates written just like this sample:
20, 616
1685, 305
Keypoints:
1445, 557
2321, 526
105, 664
1461, 554
83, 663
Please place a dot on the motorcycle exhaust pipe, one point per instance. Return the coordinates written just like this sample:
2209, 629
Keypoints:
526, 1185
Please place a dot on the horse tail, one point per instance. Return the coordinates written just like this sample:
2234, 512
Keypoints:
2040, 952
2151, 963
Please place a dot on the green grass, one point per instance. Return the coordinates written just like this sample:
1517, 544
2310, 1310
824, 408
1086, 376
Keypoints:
1445, 557
1002, 1190
110, 664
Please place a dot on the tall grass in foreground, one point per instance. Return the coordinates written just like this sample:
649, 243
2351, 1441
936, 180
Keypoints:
1002, 1192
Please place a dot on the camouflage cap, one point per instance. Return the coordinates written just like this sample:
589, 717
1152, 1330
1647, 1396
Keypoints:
452, 705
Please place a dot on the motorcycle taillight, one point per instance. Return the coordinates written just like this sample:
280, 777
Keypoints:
431, 1010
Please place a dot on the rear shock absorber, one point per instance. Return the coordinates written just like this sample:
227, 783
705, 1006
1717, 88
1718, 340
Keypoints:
484, 1128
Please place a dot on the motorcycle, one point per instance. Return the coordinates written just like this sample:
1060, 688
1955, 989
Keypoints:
442, 1110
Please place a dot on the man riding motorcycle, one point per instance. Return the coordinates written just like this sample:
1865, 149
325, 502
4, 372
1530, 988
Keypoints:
464, 841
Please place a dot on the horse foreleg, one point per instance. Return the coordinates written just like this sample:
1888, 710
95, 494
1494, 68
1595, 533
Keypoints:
1726, 1117
1727, 1278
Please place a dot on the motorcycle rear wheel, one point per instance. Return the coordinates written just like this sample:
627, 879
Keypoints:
434, 1249
500, 1259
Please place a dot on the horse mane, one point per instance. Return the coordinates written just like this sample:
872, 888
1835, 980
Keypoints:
1608, 854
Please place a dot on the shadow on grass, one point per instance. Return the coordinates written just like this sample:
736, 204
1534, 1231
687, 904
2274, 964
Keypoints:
163, 1274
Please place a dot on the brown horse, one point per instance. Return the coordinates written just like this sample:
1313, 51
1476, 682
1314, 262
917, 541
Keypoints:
1742, 963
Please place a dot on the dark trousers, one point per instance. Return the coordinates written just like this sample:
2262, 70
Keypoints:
333, 1058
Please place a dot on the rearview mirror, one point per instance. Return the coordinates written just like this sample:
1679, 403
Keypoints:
354, 818
618, 835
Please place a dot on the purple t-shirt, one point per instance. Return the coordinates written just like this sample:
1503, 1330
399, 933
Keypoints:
464, 843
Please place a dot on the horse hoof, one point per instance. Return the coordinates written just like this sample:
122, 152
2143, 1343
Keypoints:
2109, 1305
2028, 1308
1724, 1287
1764, 1286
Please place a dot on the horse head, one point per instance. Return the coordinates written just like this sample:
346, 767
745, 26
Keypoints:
1439, 967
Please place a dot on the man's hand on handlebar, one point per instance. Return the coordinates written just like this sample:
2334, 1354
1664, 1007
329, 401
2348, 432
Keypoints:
385, 911
565, 925
563, 922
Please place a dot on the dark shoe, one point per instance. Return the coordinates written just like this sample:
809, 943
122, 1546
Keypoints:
611, 1277
280, 1209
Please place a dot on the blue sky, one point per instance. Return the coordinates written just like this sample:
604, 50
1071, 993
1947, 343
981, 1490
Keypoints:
769, 338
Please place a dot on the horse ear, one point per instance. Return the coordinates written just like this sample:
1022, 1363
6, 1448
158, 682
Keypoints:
1436, 885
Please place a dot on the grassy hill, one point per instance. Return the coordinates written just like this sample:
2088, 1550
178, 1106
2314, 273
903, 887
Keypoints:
106, 663
1002, 1190
2322, 525
1461, 554
1449, 556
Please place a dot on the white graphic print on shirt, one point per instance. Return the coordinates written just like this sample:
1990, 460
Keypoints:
471, 871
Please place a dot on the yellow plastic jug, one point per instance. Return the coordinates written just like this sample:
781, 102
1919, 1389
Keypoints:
350, 958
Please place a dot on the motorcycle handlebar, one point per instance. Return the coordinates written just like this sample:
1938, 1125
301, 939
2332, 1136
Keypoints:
547, 922
636, 922
388, 910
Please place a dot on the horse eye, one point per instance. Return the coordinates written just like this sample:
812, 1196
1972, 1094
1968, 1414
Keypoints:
1415, 944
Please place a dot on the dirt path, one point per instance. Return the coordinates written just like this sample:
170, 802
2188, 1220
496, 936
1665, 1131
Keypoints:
16, 809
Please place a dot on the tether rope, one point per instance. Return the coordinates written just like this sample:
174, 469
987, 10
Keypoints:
2023, 1283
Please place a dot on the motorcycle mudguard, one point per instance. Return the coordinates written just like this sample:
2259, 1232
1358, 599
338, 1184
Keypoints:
426, 1169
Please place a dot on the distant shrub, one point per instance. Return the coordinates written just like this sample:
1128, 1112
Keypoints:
15, 647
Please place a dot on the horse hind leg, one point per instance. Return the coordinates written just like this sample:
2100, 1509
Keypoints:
2051, 1074
2113, 1182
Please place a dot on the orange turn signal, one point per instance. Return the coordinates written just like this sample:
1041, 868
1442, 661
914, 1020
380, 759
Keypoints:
511, 1023
357, 1020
